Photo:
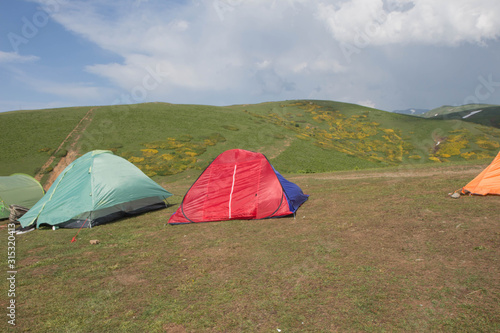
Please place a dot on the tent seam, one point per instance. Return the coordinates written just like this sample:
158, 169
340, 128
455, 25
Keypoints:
232, 188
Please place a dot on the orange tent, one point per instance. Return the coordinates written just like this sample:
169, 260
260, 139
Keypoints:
487, 182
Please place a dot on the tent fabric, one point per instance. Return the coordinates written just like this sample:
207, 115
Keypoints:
239, 184
96, 188
16, 212
487, 182
18, 189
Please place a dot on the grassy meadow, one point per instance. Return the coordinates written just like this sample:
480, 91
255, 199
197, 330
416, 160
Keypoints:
297, 136
374, 251
378, 247
29, 137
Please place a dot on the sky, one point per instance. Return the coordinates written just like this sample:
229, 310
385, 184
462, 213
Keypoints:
387, 54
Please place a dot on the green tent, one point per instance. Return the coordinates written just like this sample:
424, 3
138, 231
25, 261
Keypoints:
18, 189
96, 188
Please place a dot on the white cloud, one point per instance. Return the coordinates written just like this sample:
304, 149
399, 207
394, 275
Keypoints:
195, 47
13, 57
448, 22
300, 67
14, 105
79, 91
263, 64
367, 103
75, 91
251, 50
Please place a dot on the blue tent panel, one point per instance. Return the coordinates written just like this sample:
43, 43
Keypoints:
294, 194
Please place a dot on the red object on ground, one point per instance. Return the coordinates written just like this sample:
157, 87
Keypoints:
238, 184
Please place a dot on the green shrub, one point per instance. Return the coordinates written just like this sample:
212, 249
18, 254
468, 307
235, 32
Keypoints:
61, 153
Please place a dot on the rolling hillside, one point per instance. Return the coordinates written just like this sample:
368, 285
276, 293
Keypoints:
305, 136
449, 109
488, 115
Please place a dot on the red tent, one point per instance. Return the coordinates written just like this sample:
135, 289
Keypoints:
238, 184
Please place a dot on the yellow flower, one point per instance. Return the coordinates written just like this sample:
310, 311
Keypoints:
134, 159
168, 157
149, 152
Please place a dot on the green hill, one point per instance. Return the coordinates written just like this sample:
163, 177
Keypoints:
484, 115
449, 109
304, 136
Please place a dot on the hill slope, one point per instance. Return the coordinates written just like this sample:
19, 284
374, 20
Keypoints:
449, 109
297, 136
484, 115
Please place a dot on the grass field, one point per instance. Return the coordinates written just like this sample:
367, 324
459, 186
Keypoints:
378, 247
24, 134
297, 136
371, 251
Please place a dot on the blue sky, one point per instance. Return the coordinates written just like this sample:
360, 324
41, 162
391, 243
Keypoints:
388, 54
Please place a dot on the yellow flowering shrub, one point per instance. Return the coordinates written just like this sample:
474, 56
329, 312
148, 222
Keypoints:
135, 159
303, 136
482, 155
484, 143
191, 153
172, 155
452, 146
149, 152
468, 155
167, 157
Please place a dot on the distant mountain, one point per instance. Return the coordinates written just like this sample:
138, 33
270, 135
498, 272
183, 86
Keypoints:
483, 114
449, 109
412, 111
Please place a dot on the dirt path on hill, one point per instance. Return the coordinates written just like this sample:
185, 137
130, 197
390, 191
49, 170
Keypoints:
71, 141
403, 173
